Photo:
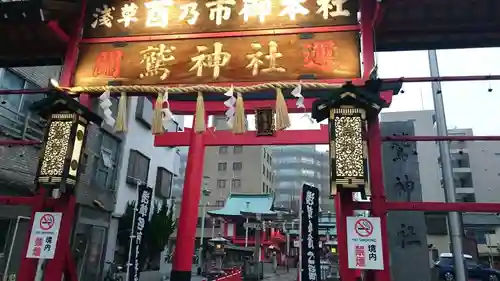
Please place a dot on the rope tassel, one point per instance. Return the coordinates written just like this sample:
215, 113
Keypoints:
157, 126
239, 120
200, 125
282, 117
121, 116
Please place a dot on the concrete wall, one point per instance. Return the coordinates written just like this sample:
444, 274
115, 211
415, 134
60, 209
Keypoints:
428, 152
485, 168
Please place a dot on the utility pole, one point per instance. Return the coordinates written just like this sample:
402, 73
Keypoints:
454, 218
205, 193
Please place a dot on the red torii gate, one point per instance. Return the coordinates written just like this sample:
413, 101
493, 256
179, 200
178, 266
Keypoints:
370, 11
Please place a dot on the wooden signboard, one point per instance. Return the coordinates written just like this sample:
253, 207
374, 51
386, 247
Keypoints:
232, 59
116, 18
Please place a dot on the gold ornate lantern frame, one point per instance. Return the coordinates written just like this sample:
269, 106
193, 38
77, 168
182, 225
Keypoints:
64, 141
348, 149
348, 110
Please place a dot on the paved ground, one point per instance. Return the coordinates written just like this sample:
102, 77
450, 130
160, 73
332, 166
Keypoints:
282, 276
269, 275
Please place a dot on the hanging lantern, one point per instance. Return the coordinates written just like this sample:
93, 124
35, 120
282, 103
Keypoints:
64, 141
348, 110
348, 148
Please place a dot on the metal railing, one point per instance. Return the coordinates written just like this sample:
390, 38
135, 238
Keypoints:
17, 125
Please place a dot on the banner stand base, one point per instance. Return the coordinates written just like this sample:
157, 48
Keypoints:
180, 275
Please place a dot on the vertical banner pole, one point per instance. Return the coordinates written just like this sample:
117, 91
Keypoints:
132, 234
299, 268
140, 224
246, 233
310, 249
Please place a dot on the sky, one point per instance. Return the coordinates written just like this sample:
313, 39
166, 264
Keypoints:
467, 104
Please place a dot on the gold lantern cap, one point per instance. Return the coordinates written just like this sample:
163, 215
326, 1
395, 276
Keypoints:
365, 96
57, 102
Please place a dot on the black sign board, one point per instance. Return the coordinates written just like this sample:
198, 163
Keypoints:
142, 210
116, 18
310, 252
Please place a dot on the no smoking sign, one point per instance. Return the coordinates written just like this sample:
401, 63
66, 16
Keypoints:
43, 236
47, 221
364, 243
363, 227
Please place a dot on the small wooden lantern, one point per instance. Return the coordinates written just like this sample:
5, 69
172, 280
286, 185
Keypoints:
264, 122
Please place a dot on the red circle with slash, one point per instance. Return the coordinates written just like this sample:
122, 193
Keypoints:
47, 222
363, 227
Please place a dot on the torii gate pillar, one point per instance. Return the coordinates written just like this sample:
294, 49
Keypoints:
186, 229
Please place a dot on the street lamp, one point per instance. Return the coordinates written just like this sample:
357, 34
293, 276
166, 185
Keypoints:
205, 193
64, 141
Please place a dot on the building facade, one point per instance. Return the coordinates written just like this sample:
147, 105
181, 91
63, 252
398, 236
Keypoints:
227, 169
142, 163
476, 169
296, 165
110, 160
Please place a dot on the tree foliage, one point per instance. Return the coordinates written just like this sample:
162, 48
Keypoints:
161, 228
156, 235
124, 229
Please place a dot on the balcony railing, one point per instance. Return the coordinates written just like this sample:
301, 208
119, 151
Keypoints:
17, 125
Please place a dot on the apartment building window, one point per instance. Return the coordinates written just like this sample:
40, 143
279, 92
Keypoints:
289, 172
138, 167
481, 237
466, 198
11, 81
222, 149
307, 160
106, 161
238, 149
17, 103
237, 166
436, 224
309, 173
221, 183
460, 160
263, 188
219, 203
462, 179
263, 169
222, 166
236, 183
163, 186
